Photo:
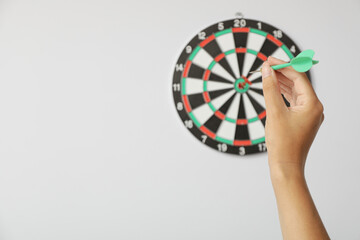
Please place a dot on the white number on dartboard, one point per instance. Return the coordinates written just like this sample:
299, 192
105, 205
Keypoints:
259, 25
222, 147
293, 49
204, 137
278, 33
188, 49
202, 35
239, 23
221, 26
179, 106
188, 123
179, 67
262, 147
242, 151
176, 87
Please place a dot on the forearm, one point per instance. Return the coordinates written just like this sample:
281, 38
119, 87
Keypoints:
299, 218
289, 133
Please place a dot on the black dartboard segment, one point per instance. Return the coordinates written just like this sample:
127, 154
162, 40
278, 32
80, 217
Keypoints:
217, 99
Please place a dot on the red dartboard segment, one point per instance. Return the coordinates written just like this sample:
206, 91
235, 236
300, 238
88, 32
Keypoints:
274, 40
232, 123
241, 30
262, 56
241, 121
206, 97
206, 75
186, 103
206, 41
240, 50
208, 132
220, 115
219, 57
186, 69
242, 142
262, 115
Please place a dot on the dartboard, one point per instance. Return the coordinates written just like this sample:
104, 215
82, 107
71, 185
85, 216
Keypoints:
217, 98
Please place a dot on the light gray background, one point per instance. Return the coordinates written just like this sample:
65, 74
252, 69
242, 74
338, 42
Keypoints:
91, 146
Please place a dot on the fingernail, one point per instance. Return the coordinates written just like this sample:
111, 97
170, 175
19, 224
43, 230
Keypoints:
266, 70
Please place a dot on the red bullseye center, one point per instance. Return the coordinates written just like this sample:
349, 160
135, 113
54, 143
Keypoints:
241, 85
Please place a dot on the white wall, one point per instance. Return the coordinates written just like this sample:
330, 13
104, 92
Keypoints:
91, 146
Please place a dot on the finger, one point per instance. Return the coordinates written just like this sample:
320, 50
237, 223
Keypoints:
300, 80
284, 88
288, 95
289, 72
289, 99
273, 99
284, 80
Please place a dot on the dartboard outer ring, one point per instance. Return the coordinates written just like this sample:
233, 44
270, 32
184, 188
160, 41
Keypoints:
205, 36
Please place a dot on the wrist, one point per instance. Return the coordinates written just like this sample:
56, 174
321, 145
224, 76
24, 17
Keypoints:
281, 171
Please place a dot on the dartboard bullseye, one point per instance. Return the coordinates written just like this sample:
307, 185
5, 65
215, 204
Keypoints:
217, 99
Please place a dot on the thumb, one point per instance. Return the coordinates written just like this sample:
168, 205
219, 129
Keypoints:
273, 99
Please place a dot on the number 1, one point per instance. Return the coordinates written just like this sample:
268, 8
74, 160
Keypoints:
259, 25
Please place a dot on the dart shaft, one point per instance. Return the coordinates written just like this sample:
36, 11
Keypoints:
275, 67
280, 66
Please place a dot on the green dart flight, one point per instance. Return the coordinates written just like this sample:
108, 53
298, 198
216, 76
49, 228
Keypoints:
301, 63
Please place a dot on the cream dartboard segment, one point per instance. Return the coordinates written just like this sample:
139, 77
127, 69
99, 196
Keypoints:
217, 98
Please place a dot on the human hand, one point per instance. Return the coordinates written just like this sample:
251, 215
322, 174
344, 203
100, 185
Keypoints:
289, 131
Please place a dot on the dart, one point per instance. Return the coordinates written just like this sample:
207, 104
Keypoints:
301, 63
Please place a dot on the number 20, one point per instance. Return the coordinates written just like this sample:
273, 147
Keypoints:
239, 23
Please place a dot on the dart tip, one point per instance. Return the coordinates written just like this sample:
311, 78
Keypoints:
315, 62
